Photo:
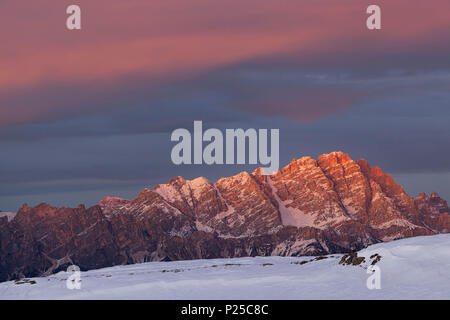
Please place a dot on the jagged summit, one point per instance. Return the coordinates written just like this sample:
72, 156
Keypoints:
434, 194
309, 207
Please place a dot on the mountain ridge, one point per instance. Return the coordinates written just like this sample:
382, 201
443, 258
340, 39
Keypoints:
330, 205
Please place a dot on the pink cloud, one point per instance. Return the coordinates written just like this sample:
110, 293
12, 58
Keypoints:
170, 39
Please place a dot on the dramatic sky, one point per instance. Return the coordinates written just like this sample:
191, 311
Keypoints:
88, 113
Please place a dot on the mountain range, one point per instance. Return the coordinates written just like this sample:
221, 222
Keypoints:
310, 207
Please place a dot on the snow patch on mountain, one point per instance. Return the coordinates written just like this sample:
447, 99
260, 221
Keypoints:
395, 222
9, 215
291, 216
203, 227
168, 192
189, 190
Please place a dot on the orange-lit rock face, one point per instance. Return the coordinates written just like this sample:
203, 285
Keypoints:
332, 204
433, 205
333, 159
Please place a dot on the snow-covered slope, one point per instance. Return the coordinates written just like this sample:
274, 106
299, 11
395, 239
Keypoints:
414, 268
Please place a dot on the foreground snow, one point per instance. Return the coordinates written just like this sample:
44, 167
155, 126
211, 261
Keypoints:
415, 268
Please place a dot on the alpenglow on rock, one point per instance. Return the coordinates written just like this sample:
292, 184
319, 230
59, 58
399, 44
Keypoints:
310, 207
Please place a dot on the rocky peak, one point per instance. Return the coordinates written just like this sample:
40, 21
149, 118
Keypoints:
177, 181
304, 162
145, 195
433, 205
41, 210
435, 195
250, 207
112, 200
25, 208
333, 158
423, 196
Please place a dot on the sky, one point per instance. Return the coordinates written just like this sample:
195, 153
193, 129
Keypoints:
88, 113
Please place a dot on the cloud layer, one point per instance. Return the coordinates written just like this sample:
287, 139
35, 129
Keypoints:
83, 113
126, 49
